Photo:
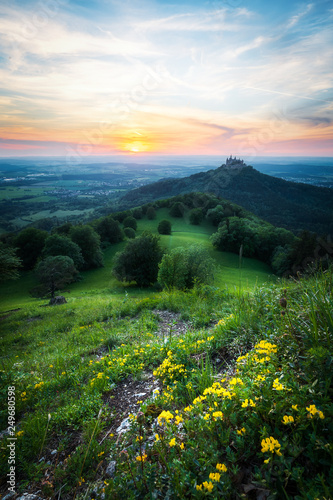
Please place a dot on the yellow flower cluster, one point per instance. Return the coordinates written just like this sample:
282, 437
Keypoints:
287, 419
277, 385
272, 445
166, 416
38, 386
218, 390
225, 320
141, 458
206, 485
169, 370
221, 467
313, 411
248, 402
241, 431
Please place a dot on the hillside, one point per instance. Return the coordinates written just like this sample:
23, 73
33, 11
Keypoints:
283, 203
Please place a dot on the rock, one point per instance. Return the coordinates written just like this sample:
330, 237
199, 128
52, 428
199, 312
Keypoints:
124, 426
60, 299
54, 452
111, 469
9, 495
29, 496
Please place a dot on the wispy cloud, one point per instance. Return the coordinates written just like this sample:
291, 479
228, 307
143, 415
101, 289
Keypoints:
197, 77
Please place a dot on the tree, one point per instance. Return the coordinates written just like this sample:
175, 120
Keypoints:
130, 222
9, 263
62, 245
30, 243
54, 273
183, 267
139, 260
196, 216
164, 227
151, 213
129, 232
177, 209
137, 213
89, 242
109, 230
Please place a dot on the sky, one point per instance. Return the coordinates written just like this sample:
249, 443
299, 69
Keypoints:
103, 77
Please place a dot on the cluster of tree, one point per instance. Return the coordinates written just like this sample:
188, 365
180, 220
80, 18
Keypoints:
144, 262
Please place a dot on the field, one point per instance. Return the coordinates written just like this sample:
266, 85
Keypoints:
231, 274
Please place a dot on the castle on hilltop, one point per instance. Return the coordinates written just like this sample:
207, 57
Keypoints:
235, 162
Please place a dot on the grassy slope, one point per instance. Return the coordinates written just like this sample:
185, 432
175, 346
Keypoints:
53, 357
15, 294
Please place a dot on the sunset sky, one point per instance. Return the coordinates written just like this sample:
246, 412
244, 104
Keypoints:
190, 77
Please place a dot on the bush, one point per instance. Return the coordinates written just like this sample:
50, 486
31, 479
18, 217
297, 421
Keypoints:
164, 227
109, 230
139, 261
130, 222
177, 209
183, 267
129, 232
196, 216
62, 245
151, 213
89, 242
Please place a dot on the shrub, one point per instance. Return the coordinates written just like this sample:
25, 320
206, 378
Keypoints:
177, 209
129, 232
183, 267
164, 227
130, 222
62, 245
139, 261
151, 213
196, 216
89, 242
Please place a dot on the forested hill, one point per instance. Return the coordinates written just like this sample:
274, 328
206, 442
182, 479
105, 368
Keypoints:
286, 204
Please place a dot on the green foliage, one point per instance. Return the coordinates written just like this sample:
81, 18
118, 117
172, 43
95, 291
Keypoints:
62, 245
151, 213
30, 243
139, 261
164, 227
137, 213
130, 222
183, 267
109, 230
177, 209
9, 263
196, 216
258, 238
54, 273
89, 242
129, 232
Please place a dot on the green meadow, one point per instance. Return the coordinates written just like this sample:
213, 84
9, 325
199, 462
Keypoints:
231, 274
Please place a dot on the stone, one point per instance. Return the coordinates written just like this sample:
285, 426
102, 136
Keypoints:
111, 469
55, 301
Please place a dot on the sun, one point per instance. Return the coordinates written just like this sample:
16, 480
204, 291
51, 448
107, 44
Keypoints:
135, 146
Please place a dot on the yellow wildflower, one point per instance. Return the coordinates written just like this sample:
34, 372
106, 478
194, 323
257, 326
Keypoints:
172, 442
221, 467
272, 445
208, 486
214, 476
287, 419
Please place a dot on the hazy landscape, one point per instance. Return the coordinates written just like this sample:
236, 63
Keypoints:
166, 250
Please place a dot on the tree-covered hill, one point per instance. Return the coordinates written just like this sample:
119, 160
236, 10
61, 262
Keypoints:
291, 205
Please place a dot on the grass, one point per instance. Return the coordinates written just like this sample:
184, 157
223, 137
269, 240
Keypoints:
245, 394
100, 281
